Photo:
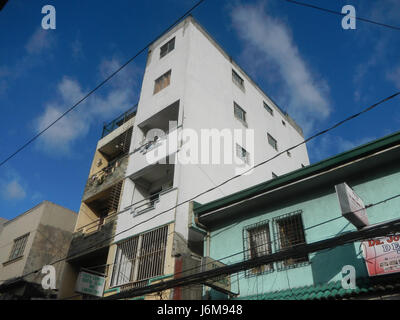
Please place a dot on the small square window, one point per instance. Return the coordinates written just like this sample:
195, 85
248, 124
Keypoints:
268, 108
272, 142
162, 82
237, 79
240, 114
242, 153
167, 48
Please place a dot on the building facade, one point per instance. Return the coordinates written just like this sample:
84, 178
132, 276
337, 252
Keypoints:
192, 91
95, 225
30, 241
303, 207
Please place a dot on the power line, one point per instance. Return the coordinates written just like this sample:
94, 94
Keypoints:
93, 247
308, 5
98, 86
295, 251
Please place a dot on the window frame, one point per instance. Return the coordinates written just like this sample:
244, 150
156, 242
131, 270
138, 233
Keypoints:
238, 80
20, 245
167, 45
268, 108
299, 233
246, 158
237, 107
271, 138
247, 247
161, 85
139, 259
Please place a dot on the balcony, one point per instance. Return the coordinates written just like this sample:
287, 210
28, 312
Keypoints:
86, 238
119, 121
157, 202
106, 177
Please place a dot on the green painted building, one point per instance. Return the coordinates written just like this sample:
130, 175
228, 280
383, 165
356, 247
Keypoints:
302, 206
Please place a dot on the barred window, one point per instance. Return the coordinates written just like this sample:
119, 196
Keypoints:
237, 79
272, 142
162, 82
141, 257
257, 243
18, 247
290, 232
239, 113
167, 48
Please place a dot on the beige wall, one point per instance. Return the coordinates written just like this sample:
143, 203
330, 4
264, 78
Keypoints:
49, 226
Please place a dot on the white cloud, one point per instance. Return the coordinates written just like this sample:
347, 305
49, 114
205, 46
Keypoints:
41, 39
394, 76
119, 97
13, 190
272, 42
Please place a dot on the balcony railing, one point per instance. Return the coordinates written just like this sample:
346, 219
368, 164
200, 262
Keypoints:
106, 177
119, 121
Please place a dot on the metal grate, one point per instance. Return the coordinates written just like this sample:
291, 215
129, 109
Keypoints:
18, 247
257, 242
289, 231
141, 257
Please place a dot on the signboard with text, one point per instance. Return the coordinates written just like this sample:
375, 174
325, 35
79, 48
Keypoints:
351, 205
382, 255
91, 284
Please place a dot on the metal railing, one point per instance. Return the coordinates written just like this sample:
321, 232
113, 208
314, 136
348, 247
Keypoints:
119, 121
100, 176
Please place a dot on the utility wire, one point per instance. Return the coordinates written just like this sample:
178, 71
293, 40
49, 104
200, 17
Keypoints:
226, 181
308, 5
98, 86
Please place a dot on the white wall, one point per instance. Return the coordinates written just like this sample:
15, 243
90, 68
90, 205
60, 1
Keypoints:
202, 80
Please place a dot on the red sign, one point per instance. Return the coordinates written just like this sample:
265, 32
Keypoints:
382, 255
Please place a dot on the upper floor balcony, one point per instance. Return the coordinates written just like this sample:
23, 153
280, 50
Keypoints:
119, 121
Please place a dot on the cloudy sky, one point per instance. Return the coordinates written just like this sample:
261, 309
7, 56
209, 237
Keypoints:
313, 68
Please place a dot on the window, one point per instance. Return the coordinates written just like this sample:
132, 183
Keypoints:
162, 82
290, 232
257, 243
237, 80
240, 114
140, 258
242, 153
268, 108
167, 48
18, 247
272, 142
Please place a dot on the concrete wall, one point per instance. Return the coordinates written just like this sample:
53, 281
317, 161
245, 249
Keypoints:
2, 221
50, 228
201, 79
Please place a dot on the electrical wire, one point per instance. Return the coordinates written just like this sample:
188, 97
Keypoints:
308, 5
98, 86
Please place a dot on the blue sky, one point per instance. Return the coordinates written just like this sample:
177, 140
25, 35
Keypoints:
301, 57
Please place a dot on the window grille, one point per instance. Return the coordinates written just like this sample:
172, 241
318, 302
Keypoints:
140, 258
288, 233
167, 48
257, 242
162, 82
18, 247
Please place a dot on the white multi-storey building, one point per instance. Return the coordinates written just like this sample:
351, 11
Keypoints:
190, 80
